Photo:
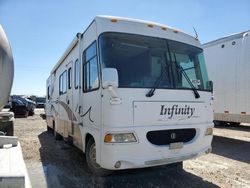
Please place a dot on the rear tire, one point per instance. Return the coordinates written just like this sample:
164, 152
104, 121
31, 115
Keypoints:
26, 113
91, 160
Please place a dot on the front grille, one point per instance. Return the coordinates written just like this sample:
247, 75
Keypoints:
165, 137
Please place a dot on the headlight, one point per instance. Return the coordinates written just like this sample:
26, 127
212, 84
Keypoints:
209, 131
120, 138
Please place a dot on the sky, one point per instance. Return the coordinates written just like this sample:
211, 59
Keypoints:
39, 31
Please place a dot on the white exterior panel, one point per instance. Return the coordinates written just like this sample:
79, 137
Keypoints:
228, 64
140, 27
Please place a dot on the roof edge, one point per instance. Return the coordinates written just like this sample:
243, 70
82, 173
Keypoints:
226, 38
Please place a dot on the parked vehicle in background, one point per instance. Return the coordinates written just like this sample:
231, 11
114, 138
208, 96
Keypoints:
13, 172
228, 64
124, 86
22, 106
40, 101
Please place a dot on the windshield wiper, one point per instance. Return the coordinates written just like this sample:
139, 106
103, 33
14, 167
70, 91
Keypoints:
196, 94
156, 85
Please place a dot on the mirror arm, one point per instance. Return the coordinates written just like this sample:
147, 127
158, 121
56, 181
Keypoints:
112, 92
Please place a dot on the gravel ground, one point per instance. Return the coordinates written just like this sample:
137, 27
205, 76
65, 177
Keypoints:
55, 164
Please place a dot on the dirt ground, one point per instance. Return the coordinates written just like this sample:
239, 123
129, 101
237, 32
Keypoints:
55, 164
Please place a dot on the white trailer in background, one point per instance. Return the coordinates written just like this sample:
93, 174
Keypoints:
13, 172
228, 64
131, 94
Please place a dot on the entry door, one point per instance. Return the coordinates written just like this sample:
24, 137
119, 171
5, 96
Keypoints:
69, 98
75, 95
91, 92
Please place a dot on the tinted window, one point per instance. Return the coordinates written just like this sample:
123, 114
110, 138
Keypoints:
69, 78
146, 62
76, 74
48, 92
91, 52
63, 83
90, 69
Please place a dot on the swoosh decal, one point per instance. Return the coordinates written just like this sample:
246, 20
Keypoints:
88, 112
70, 113
52, 108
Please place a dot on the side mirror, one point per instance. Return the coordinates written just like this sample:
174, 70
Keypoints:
109, 77
211, 85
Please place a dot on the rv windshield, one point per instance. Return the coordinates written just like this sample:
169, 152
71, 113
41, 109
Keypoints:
141, 61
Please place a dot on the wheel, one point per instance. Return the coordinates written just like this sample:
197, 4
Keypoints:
91, 160
31, 113
26, 113
23, 113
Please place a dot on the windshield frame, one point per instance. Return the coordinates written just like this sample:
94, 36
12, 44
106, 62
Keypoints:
170, 61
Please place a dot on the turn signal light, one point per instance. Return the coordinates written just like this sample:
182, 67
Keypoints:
120, 138
164, 28
150, 25
114, 20
175, 31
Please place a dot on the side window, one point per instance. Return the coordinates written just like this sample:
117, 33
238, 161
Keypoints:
76, 74
90, 69
69, 78
63, 83
48, 92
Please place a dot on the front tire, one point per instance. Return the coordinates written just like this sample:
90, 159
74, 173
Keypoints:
91, 160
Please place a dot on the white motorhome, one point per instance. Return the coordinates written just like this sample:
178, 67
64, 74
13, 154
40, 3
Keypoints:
228, 64
131, 94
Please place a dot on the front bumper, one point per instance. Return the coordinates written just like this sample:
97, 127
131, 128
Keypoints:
144, 154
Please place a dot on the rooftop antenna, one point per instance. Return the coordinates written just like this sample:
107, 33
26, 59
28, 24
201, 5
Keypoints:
196, 34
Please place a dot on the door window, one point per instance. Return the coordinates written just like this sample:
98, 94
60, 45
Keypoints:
63, 83
90, 69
